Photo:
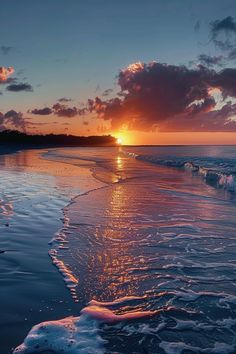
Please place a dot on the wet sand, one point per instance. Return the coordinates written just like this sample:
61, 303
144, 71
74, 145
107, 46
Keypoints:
32, 195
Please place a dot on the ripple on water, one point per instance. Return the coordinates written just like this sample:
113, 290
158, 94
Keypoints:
152, 260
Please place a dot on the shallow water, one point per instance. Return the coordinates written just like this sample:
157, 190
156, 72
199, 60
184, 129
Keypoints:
148, 255
33, 193
154, 245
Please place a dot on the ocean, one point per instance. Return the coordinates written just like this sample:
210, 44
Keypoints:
142, 255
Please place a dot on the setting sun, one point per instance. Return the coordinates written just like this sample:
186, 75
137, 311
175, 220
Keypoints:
119, 141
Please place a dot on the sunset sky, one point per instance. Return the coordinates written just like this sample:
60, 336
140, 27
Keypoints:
150, 72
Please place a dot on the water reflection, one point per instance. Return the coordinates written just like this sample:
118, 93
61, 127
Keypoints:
65, 174
160, 234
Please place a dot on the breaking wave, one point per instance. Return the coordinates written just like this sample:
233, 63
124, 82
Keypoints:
220, 173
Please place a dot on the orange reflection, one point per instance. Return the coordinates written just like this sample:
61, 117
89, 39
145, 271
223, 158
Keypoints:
111, 211
32, 161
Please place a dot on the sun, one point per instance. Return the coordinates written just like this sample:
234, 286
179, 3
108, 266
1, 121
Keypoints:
119, 141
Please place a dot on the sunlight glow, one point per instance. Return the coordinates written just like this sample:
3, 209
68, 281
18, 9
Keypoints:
119, 141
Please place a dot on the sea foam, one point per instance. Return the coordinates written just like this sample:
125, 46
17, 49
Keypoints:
219, 173
73, 335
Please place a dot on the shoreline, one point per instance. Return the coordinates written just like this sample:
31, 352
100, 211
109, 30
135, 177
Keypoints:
133, 246
152, 220
29, 274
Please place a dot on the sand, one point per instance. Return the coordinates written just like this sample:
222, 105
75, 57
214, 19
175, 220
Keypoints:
33, 194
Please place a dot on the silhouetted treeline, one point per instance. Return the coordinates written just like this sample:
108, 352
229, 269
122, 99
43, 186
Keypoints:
12, 137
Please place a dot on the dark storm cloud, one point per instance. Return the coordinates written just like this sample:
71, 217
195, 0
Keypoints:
226, 82
213, 121
209, 60
19, 87
42, 111
5, 49
157, 93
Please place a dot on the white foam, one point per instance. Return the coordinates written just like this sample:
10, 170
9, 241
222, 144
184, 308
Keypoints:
71, 335
75, 335
178, 347
118, 301
69, 278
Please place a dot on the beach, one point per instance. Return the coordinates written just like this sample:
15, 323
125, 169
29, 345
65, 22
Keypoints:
33, 195
133, 243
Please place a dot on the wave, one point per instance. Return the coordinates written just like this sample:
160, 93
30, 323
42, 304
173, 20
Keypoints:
89, 332
159, 271
220, 173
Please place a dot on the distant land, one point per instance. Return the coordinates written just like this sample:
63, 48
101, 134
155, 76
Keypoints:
16, 138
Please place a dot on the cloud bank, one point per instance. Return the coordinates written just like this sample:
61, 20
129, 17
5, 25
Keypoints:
170, 98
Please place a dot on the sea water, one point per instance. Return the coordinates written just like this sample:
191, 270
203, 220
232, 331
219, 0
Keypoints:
148, 256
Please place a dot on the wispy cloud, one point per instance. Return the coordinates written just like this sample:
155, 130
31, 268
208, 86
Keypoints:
5, 49
223, 35
64, 99
209, 60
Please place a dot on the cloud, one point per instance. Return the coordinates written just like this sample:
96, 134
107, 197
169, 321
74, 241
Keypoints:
197, 26
5, 73
19, 87
64, 99
60, 110
42, 111
5, 49
210, 60
213, 121
64, 111
226, 82
223, 34
232, 54
158, 95
13, 84
226, 25
13, 119
107, 92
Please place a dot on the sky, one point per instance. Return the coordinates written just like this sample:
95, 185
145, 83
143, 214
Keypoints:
150, 72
